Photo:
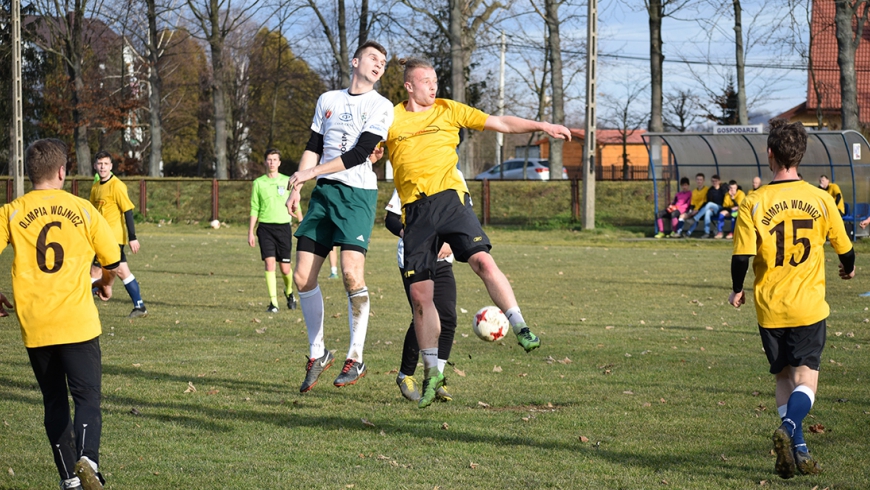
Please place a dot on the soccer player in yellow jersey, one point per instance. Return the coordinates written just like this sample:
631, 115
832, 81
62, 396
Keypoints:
834, 190
55, 236
436, 205
784, 225
110, 197
730, 206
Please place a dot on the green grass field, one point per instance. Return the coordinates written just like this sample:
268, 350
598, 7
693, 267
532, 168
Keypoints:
646, 378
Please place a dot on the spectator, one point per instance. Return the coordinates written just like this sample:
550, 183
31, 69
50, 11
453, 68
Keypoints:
699, 198
756, 183
715, 199
676, 210
834, 191
729, 208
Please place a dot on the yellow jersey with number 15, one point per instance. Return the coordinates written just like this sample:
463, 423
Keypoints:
55, 236
784, 225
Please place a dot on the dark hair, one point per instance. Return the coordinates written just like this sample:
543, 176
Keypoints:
732, 182
369, 44
787, 142
823, 176
684, 180
43, 158
412, 64
700, 175
272, 151
715, 177
102, 154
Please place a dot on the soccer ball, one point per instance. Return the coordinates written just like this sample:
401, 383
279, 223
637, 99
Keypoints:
215, 224
490, 324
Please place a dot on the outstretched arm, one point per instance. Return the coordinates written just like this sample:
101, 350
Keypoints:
513, 124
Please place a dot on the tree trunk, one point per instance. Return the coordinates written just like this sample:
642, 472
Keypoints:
74, 54
847, 45
457, 81
742, 116
155, 84
363, 22
656, 59
218, 97
344, 62
556, 145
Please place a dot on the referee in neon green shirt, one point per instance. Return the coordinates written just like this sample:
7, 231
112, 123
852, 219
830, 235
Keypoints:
268, 198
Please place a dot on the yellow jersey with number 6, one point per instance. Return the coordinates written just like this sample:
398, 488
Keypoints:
785, 225
55, 236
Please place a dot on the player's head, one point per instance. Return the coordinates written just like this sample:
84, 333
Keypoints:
786, 144
732, 187
273, 160
699, 179
684, 184
756, 182
45, 160
421, 81
103, 163
715, 180
824, 182
369, 61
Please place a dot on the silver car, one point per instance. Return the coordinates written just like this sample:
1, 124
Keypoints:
536, 169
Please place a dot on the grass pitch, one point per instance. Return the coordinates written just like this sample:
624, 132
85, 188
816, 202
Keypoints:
646, 378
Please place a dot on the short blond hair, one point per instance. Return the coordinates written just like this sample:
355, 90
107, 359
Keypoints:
412, 64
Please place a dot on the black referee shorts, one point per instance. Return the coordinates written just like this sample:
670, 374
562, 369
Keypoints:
794, 346
433, 220
275, 241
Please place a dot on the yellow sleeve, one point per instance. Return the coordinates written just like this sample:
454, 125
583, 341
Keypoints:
121, 196
745, 242
4, 227
837, 230
739, 198
468, 117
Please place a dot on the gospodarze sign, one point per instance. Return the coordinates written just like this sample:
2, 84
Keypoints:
753, 129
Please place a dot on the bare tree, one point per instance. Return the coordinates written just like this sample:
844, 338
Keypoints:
850, 18
66, 26
623, 113
216, 19
681, 111
657, 11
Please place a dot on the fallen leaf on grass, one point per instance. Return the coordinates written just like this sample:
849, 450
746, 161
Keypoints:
722, 457
382, 457
444, 426
838, 333
463, 310
762, 483
584, 439
647, 404
261, 330
465, 335
709, 328
664, 482
212, 392
255, 320
627, 392
473, 465
817, 429
458, 372
721, 404
549, 360
483, 404
137, 365
662, 400
496, 369
366, 422
11, 472
337, 315
133, 411
190, 388
565, 361
609, 327
755, 393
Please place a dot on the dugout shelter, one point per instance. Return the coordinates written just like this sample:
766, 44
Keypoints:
844, 156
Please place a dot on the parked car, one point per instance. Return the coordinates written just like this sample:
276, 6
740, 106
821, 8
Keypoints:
536, 169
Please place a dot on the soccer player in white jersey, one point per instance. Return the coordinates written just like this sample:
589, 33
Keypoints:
348, 124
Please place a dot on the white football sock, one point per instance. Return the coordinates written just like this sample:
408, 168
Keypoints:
441, 364
311, 303
358, 307
516, 318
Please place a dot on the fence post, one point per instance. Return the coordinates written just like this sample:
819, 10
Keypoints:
143, 198
215, 195
74, 187
575, 199
486, 202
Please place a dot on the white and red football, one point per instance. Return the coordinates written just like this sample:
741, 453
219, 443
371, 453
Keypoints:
490, 324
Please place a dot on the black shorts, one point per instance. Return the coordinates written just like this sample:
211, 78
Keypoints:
433, 220
794, 346
275, 241
96, 262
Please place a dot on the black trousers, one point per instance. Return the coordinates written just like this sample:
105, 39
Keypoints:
79, 368
445, 303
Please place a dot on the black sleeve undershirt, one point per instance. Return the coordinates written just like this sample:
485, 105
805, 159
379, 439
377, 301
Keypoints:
848, 261
361, 151
315, 143
393, 222
739, 266
131, 227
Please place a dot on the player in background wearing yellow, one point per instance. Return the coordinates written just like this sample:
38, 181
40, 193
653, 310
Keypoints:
109, 195
784, 225
730, 206
55, 236
437, 206
268, 207
835, 192
699, 199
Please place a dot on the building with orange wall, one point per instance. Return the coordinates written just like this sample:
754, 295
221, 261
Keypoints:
608, 153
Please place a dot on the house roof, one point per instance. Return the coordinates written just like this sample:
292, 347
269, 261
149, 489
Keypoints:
824, 63
607, 136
